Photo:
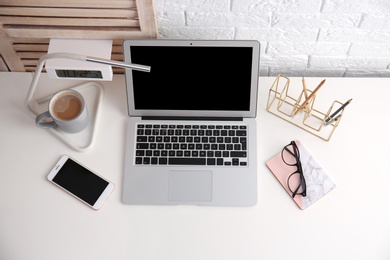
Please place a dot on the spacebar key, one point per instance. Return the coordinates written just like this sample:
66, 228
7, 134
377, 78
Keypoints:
187, 161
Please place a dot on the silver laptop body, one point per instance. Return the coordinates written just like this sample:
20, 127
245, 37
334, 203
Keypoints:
198, 94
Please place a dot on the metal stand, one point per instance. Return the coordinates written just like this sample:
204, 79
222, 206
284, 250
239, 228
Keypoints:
284, 105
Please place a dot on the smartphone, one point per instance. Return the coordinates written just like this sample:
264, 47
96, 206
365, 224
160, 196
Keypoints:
80, 182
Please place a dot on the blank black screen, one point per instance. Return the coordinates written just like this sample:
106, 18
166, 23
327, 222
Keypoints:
81, 182
192, 78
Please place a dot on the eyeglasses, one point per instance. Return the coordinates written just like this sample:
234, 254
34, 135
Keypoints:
296, 181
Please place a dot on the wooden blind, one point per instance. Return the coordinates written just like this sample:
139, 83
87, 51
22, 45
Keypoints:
26, 26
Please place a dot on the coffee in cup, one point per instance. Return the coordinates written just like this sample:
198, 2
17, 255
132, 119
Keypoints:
67, 110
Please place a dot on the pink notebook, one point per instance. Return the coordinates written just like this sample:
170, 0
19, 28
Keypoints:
318, 183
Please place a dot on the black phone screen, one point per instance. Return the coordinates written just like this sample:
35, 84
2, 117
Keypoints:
80, 181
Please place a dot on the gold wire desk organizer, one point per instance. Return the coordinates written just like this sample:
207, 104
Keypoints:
284, 104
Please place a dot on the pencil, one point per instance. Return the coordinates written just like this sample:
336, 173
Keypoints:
304, 87
304, 104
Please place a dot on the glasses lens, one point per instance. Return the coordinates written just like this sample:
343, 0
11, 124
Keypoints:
289, 155
296, 184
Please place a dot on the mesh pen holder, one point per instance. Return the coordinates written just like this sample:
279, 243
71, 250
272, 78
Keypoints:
284, 101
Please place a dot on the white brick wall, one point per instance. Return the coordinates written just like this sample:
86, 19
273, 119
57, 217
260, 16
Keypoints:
298, 37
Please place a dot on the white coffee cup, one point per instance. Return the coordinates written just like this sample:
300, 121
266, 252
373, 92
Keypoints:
67, 110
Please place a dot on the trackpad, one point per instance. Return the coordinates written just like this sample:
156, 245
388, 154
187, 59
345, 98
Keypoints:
190, 186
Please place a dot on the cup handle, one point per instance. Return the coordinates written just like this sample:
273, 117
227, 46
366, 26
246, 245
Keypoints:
43, 116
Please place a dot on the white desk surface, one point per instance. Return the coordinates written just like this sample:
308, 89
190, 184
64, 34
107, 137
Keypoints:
39, 221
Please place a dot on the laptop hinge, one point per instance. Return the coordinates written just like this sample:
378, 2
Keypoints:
190, 118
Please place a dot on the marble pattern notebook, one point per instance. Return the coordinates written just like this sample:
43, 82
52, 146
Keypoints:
318, 182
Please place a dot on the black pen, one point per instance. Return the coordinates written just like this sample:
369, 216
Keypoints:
330, 118
333, 119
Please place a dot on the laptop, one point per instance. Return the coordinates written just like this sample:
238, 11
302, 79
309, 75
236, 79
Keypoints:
191, 133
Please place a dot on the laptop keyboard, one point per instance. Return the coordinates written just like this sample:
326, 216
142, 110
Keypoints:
219, 145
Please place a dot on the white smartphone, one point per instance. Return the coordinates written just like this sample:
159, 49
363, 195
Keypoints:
80, 182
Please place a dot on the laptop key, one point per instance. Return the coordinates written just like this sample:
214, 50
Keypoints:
237, 154
142, 146
210, 161
162, 160
241, 133
243, 142
219, 161
139, 152
146, 160
187, 161
235, 161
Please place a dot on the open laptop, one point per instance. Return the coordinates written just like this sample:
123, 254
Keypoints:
191, 135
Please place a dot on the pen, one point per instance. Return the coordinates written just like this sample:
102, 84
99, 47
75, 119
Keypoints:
304, 104
331, 117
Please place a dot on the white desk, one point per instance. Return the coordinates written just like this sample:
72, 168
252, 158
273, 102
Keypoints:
39, 221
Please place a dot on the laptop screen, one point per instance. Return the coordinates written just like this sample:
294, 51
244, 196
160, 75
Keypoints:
192, 77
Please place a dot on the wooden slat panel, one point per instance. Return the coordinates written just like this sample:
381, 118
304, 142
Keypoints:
3, 64
9, 54
71, 3
68, 12
64, 22
148, 22
117, 42
118, 71
117, 56
22, 40
30, 63
30, 55
32, 69
26, 26
77, 34
30, 47
117, 49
